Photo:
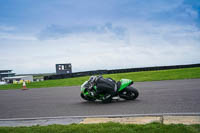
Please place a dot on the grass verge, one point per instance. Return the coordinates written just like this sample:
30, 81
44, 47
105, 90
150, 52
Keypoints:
174, 74
105, 128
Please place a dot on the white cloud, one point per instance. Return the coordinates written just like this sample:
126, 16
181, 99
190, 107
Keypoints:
6, 28
11, 36
10, 33
58, 31
144, 44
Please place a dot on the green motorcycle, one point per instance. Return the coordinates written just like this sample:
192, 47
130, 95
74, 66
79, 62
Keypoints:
123, 89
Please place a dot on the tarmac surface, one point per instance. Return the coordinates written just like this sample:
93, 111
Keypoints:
172, 96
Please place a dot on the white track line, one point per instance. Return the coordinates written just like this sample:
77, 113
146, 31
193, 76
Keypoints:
111, 116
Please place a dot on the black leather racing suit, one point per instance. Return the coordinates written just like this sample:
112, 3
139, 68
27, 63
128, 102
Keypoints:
106, 86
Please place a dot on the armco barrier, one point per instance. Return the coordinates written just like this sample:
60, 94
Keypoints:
100, 72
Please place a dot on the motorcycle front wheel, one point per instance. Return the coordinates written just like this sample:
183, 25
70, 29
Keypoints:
129, 93
87, 98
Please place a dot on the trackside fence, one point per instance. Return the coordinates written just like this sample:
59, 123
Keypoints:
100, 72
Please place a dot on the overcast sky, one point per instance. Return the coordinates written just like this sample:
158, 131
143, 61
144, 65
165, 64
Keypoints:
98, 34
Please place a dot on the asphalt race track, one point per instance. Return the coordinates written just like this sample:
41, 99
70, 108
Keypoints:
176, 96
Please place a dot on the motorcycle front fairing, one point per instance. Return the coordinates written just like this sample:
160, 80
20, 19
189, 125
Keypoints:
86, 89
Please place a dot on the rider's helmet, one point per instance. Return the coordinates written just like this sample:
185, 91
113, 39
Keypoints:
92, 79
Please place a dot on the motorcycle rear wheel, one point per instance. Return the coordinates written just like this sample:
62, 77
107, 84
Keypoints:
129, 93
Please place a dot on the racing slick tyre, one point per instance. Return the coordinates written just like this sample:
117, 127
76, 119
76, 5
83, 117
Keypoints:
129, 93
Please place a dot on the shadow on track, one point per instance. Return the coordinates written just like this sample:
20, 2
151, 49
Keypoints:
119, 101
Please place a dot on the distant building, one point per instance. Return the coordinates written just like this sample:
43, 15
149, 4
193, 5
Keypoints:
14, 79
6, 73
63, 68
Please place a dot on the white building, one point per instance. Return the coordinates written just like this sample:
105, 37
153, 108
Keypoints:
28, 78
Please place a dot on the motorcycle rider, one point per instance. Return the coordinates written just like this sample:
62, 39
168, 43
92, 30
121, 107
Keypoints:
106, 86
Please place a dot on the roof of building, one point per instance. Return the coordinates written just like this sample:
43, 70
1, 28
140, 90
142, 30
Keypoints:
16, 77
5, 71
64, 64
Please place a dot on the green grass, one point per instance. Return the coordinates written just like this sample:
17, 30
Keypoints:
186, 73
105, 128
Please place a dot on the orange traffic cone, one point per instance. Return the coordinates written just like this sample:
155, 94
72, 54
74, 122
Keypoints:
24, 86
